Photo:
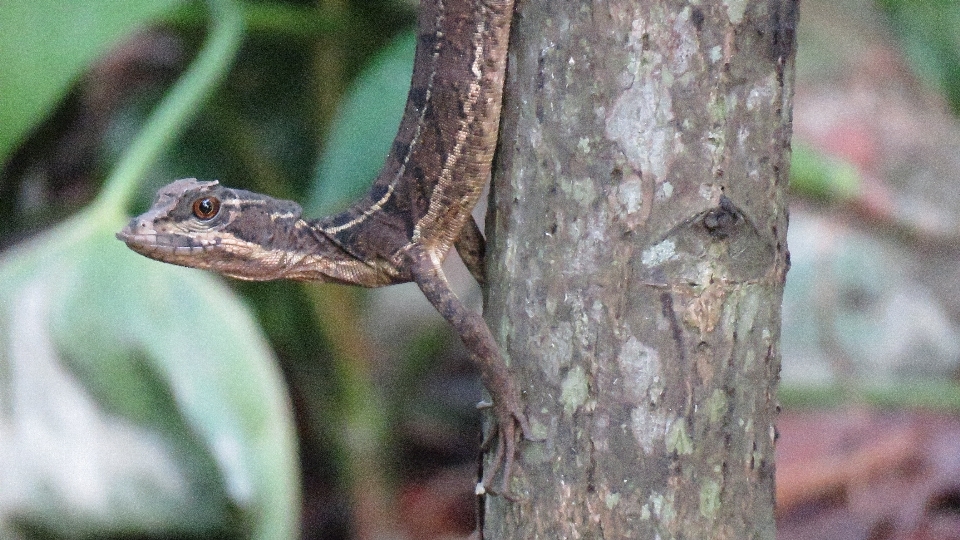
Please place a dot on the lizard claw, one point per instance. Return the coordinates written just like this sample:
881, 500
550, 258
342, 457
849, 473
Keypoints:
508, 417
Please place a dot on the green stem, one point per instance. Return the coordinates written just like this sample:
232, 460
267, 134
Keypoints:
177, 108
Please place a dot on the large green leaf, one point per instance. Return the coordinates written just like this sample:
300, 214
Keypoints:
363, 129
46, 44
135, 397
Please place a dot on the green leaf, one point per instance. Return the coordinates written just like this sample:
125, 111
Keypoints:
137, 397
364, 129
46, 44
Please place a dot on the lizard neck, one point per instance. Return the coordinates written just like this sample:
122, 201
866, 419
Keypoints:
324, 257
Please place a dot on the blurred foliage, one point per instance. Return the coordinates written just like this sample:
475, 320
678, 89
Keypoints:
130, 404
169, 369
869, 318
138, 398
926, 394
44, 47
157, 380
929, 31
821, 177
929, 35
360, 136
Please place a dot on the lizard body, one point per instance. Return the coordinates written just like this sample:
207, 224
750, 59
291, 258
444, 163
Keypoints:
418, 207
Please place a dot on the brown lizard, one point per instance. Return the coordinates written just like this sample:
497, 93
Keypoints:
418, 207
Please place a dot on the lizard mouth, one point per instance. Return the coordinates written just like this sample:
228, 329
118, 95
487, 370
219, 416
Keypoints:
134, 239
127, 236
204, 253
145, 244
142, 239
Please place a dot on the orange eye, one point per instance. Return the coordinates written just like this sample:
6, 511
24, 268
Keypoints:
206, 207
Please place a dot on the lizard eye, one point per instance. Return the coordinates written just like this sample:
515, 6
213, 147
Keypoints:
206, 208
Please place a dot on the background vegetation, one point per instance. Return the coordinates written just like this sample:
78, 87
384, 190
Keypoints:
141, 399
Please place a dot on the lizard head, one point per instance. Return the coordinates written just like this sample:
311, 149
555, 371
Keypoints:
205, 225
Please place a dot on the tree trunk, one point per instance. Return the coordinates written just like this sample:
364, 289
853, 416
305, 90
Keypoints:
637, 261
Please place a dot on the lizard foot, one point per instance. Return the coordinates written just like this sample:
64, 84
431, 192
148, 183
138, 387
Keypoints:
508, 417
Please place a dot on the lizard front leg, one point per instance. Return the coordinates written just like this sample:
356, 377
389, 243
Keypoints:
473, 330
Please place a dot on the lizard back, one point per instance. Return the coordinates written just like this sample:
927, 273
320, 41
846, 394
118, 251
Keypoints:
441, 157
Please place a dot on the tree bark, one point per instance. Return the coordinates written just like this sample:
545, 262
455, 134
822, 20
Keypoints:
637, 261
